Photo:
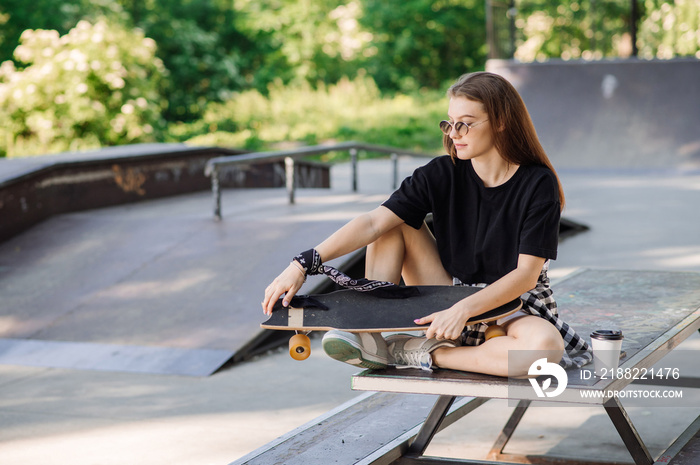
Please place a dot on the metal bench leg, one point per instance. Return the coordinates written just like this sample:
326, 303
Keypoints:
431, 426
508, 430
627, 432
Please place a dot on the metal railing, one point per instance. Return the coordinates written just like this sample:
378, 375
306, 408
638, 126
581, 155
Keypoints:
215, 165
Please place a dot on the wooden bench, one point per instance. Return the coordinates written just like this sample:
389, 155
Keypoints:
656, 312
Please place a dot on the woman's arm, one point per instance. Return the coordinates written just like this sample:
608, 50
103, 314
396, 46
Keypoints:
449, 324
359, 232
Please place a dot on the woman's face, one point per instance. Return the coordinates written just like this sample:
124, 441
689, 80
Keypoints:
479, 140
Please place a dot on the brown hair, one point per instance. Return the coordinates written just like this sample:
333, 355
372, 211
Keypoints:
513, 133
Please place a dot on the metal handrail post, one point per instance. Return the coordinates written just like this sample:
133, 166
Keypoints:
353, 164
395, 164
216, 191
290, 178
215, 165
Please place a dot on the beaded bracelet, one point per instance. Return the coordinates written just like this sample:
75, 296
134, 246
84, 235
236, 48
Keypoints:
298, 266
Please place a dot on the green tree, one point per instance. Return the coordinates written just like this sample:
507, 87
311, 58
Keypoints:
307, 40
199, 45
423, 43
197, 41
594, 29
18, 15
590, 29
670, 29
60, 15
97, 85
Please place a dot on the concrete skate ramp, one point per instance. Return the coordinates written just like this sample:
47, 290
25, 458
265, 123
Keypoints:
160, 286
613, 114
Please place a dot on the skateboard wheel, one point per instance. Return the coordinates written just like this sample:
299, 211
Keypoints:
494, 331
300, 347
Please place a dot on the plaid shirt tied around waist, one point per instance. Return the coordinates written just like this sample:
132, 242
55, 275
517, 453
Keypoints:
539, 302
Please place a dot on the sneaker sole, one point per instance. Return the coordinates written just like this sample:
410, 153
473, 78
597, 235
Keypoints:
343, 351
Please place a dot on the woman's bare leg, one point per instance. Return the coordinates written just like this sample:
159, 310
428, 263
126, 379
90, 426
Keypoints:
401, 251
527, 333
412, 254
409, 253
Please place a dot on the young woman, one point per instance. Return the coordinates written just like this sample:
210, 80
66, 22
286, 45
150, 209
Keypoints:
496, 202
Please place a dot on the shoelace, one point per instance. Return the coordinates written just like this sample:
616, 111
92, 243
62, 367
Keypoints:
413, 359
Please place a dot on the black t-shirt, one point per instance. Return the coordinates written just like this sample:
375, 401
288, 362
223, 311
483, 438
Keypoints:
480, 231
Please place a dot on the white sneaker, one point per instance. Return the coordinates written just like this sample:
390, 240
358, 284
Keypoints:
414, 352
366, 350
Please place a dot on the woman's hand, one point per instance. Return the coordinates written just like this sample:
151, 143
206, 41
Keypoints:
287, 283
447, 324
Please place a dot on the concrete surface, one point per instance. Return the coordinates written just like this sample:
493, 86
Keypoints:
638, 220
164, 272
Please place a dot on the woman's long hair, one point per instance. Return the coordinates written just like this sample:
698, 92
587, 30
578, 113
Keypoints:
513, 133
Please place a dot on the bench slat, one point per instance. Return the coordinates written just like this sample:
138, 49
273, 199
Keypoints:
352, 432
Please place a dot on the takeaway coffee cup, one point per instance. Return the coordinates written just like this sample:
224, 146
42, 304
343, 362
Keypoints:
607, 344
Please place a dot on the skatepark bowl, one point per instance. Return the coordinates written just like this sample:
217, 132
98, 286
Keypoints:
129, 316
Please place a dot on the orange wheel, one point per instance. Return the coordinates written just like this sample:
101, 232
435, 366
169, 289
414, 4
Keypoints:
494, 331
300, 347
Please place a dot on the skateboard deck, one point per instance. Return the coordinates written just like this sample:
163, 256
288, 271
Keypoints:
355, 311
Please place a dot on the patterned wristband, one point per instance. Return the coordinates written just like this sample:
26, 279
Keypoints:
310, 260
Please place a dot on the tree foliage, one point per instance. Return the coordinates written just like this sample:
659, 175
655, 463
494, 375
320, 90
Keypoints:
309, 40
206, 54
96, 85
349, 110
198, 44
596, 29
589, 29
670, 29
423, 43
16, 16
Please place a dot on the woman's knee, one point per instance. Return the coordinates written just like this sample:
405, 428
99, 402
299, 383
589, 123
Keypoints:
538, 336
392, 241
549, 340
407, 252
385, 256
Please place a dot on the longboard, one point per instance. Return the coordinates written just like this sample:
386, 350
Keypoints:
354, 311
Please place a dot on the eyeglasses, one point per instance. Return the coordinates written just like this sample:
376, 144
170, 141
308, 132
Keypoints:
461, 128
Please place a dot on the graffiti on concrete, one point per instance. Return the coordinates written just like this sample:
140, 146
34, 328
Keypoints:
129, 179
